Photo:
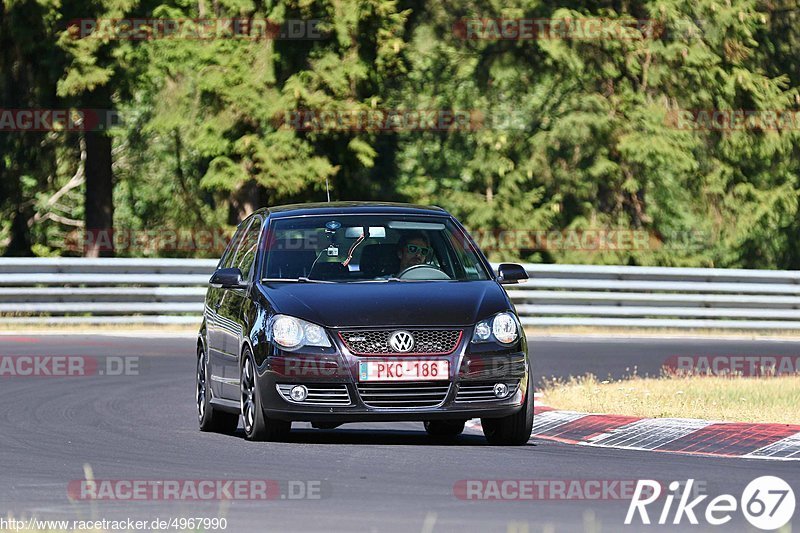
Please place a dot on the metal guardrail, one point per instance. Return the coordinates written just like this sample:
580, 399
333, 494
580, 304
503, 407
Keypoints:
171, 291
659, 297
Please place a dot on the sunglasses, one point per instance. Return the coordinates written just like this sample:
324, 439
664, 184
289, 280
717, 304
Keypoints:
414, 249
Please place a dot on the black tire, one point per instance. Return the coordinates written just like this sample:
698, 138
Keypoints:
257, 427
513, 430
210, 419
444, 428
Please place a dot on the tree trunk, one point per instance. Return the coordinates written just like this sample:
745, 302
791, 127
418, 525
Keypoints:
244, 201
20, 243
99, 203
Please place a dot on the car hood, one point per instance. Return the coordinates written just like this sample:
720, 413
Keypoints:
417, 303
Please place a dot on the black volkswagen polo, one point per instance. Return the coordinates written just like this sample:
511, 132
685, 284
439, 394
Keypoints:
354, 312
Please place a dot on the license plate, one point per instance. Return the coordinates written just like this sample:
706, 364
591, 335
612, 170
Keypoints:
403, 370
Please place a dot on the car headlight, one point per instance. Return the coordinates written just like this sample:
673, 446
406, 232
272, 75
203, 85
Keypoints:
292, 333
501, 328
504, 328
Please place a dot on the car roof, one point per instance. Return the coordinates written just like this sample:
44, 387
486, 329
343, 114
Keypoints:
349, 208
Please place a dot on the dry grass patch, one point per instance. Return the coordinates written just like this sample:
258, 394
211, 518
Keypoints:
734, 399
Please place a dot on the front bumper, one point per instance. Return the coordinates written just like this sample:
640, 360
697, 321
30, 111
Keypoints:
463, 395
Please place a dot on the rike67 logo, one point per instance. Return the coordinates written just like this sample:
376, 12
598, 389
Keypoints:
767, 502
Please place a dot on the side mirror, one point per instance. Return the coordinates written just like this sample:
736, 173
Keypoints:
511, 273
228, 278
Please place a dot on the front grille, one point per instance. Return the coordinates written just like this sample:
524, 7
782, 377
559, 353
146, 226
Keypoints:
483, 391
400, 395
320, 394
426, 341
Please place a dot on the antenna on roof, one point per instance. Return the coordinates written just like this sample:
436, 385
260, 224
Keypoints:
327, 189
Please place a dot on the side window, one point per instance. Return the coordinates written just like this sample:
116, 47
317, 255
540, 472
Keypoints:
246, 253
230, 251
466, 260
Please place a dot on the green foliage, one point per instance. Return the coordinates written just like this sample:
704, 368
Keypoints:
566, 134
596, 148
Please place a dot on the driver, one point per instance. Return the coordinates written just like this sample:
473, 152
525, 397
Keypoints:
414, 248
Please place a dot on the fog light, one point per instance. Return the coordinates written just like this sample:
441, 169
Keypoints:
500, 390
300, 392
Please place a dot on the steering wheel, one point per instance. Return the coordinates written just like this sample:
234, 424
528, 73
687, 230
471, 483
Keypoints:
422, 272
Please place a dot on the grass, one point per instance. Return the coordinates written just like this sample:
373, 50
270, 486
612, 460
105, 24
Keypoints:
733, 399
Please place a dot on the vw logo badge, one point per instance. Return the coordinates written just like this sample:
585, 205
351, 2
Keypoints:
401, 341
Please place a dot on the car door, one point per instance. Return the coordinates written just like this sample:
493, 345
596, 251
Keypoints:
214, 327
233, 308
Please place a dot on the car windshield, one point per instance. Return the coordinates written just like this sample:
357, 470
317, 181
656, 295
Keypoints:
357, 248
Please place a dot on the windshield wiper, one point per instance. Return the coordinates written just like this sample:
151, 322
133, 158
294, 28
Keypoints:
301, 279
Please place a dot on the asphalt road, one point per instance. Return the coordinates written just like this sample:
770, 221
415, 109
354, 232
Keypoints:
369, 477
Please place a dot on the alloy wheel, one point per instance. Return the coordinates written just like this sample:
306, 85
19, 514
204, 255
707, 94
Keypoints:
201, 386
247, 397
